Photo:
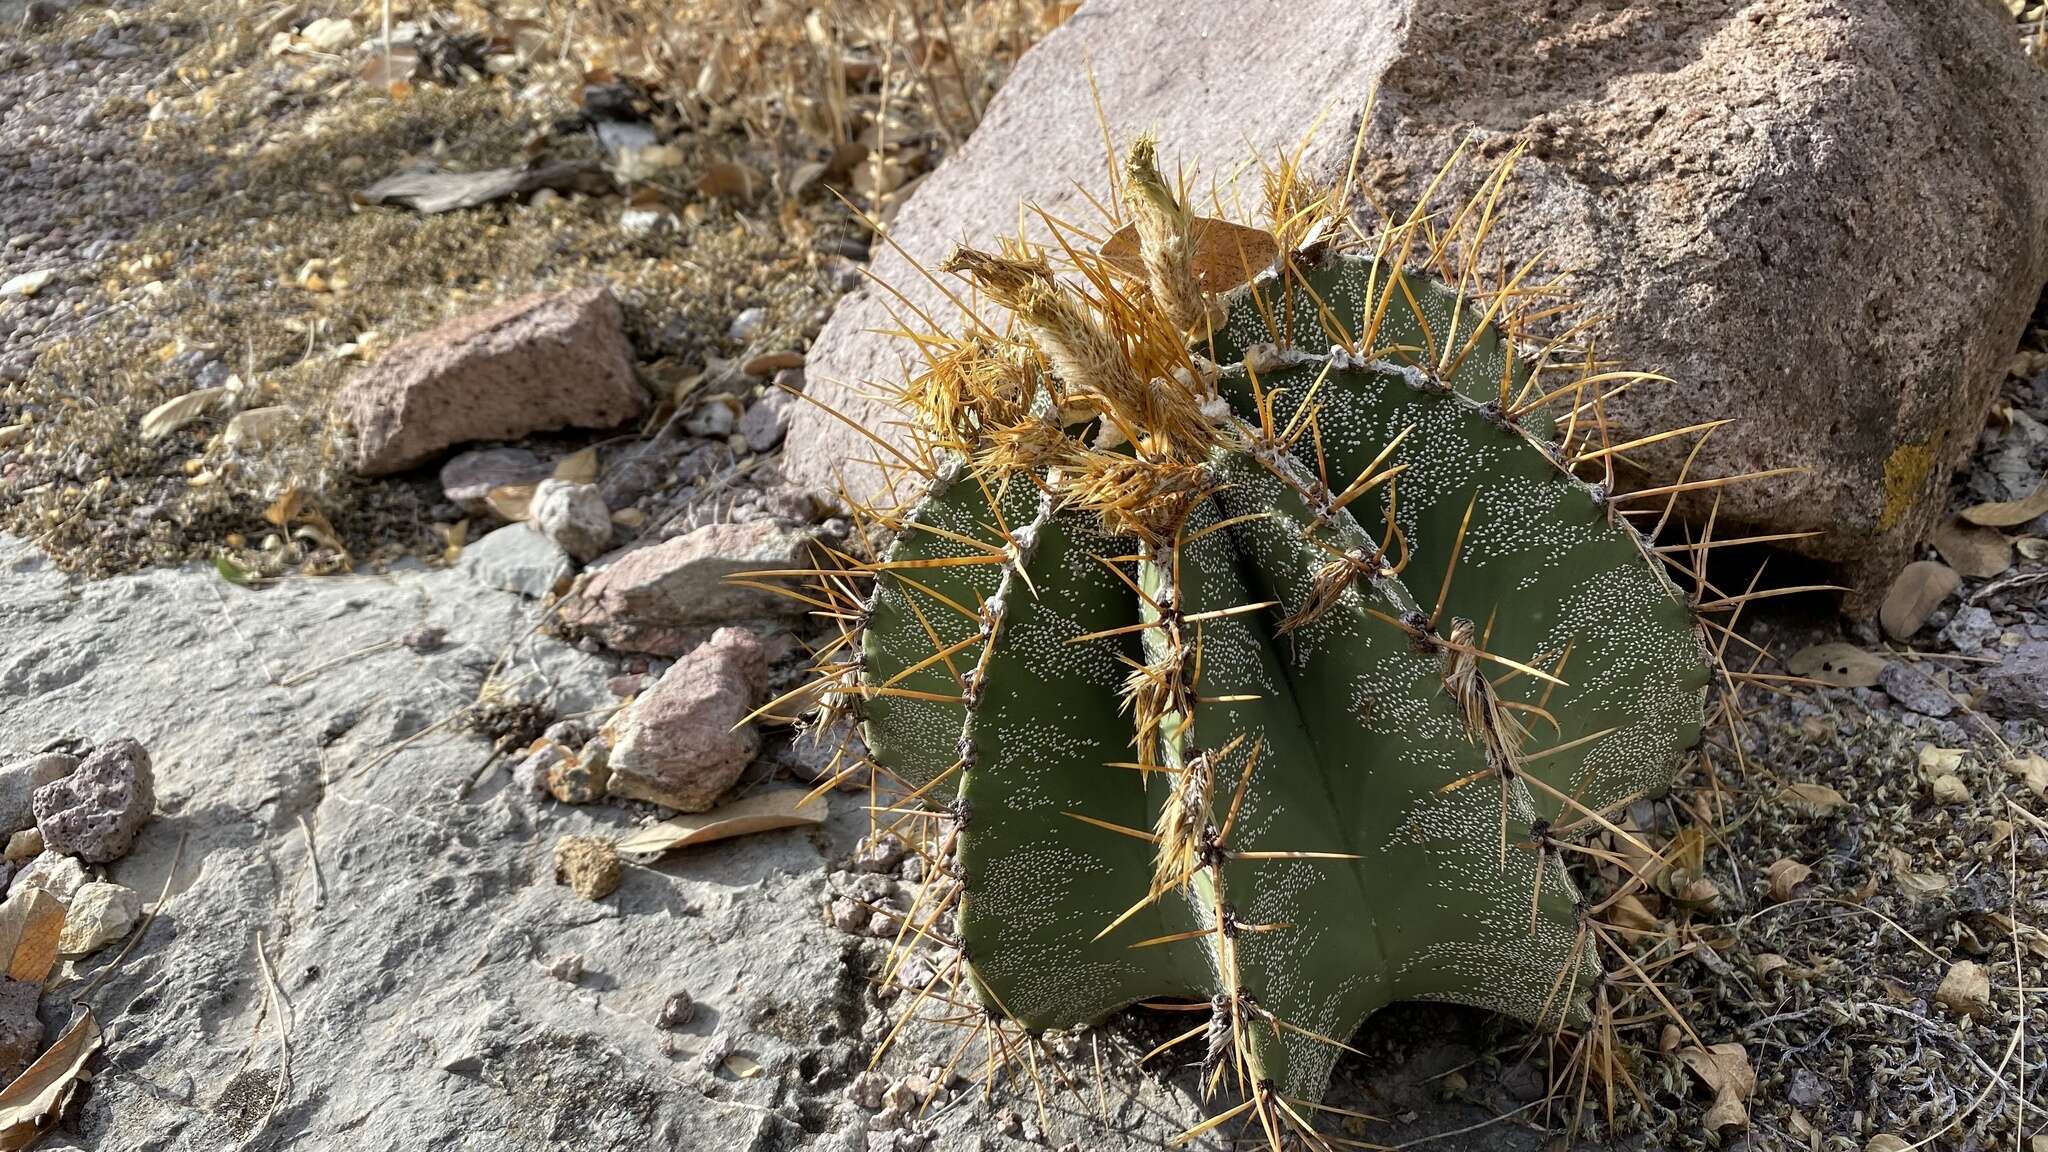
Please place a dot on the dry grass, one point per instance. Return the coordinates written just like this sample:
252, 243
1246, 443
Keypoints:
874, 89
259, 150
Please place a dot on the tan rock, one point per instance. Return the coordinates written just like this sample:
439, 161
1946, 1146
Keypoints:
664, 598
589, 865
100, 914
1706, 174
26, 844
680, 747
533, 364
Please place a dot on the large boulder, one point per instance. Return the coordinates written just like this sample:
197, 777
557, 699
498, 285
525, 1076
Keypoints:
1825, 219
529, 365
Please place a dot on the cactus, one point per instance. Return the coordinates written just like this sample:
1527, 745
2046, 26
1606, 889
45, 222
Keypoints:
1258, 637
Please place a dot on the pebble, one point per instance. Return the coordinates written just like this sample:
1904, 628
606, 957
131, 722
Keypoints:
767, 420
574, 517
26, 844
747, 323
867, 1090
27, 284
96, 812
589, 865
1915, 690
678, 1010
59, 875
1971, 631
100, 913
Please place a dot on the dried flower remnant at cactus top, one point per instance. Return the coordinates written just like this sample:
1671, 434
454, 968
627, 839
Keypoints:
1263, 642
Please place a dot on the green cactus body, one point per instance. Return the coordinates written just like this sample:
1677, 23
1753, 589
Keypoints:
1319, 826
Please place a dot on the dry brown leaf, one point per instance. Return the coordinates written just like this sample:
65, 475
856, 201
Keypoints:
30, 922
2032, 769
769, 363
1914, 595
31, 1105
1814, 799
1226, 254
1965, 989
1769, 962
1839, 664
578, 467
1977, 552
512, 502
256, 426
1629, 912
2009, 513
2032, 547
1921, 885
179, 411
454, 537
1886, 1142
285, 507
1949, 789
1725, 1070
729, 181
1934, 761
763, 812
1786, 875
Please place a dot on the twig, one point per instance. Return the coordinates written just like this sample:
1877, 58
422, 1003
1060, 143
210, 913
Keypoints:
162, 898
313, 857
281, 1021
298, 678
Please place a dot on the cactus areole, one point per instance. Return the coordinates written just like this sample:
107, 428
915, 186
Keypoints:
1263, 644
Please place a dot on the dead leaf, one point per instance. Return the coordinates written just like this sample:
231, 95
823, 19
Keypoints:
1922, 885
256, 426
512, 502
1914, 595
30, 922
2032, 547
743, 1067
1965, 989
1937, 761
1814, 799
578, 467
1769, 962
1949, 789
1839, 664
2010, 513
2032, 769
285, 507
1786, 875
431, 191
179, 411
1977, 552
726, 180
1725, 1070
454, 537
762, 812
31, 1105
1886, 1142
769, 363
1629, 912
1226, 254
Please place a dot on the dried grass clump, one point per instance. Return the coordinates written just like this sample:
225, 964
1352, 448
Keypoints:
868, 91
